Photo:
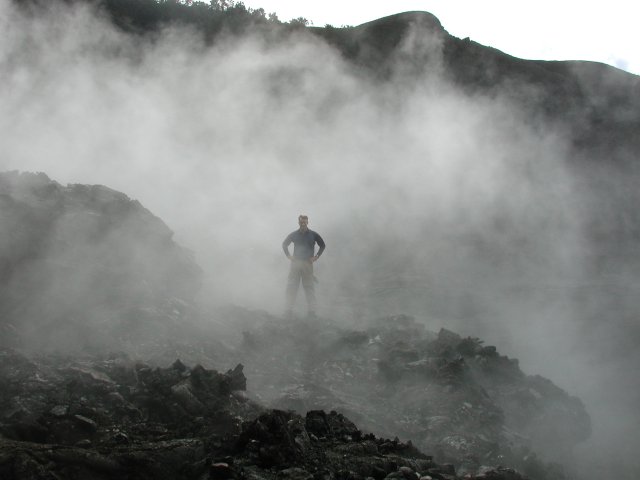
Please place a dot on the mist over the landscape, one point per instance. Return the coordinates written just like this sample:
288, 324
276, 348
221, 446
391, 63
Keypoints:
458, 209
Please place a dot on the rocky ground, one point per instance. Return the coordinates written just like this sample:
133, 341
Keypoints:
452, 407
454, 397
113, 418
115, 372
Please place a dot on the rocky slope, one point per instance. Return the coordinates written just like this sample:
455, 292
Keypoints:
472, 412
97, 308
454, 397
78, 259
114, 418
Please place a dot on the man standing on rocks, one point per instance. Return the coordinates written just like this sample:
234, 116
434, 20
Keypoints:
304, 241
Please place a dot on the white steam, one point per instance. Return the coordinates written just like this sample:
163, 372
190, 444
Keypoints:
451, 207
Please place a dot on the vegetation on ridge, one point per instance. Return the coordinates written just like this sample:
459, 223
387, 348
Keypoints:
212, 18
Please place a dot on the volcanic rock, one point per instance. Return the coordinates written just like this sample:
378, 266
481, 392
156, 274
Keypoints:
454, 397
145, 431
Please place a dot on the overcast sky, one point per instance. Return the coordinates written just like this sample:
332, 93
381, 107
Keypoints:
550, 30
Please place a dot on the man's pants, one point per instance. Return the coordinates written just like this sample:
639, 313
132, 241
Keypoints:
301, 270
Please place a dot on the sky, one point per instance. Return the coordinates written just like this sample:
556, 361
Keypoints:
543, 30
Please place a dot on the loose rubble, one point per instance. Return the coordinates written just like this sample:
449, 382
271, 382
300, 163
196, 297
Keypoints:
114, 418
452, 396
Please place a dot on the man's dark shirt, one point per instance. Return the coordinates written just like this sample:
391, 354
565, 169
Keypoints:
303, 244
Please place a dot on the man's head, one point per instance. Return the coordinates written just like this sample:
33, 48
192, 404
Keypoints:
303, 221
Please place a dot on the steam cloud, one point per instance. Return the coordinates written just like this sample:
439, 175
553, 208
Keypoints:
433, 202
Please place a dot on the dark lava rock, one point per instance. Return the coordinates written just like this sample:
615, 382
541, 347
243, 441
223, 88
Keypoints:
148, 404
454, 397
186, 425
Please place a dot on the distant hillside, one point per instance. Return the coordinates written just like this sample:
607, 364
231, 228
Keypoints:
599, 103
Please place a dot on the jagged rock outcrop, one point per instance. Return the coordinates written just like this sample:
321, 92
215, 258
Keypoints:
106, 401
452, 396
79, 259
